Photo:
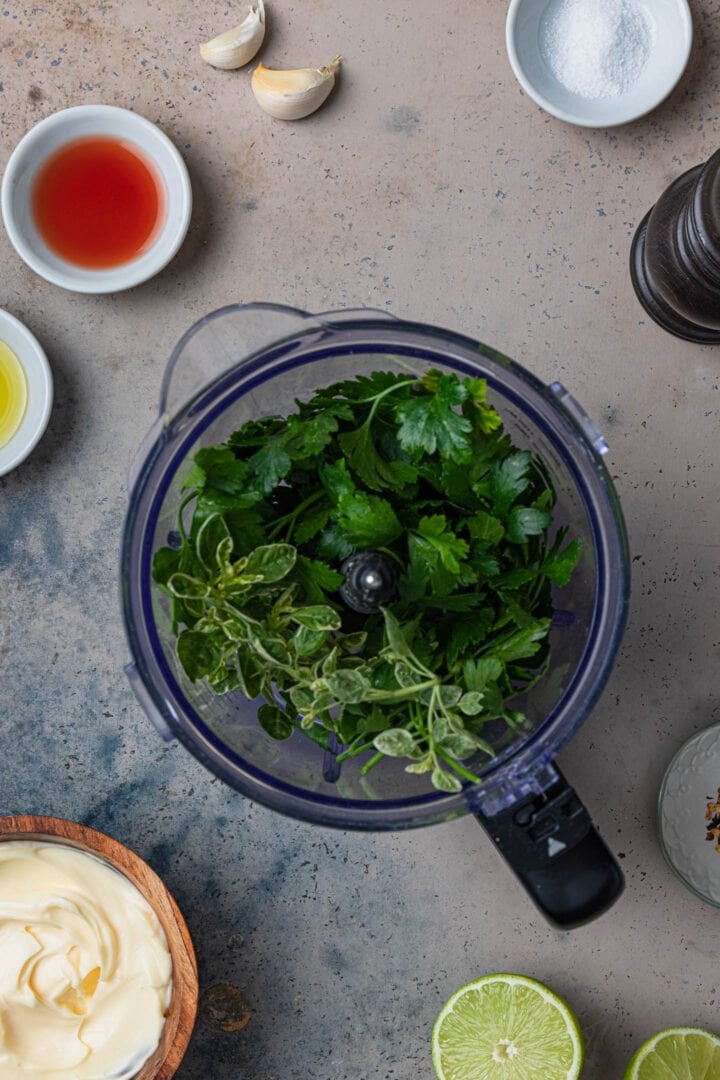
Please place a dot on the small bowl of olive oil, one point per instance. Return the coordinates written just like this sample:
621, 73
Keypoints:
26, 392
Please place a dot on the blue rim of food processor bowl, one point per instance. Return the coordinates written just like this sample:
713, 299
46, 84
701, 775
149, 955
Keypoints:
524, 757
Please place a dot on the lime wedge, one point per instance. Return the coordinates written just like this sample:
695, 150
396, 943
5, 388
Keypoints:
506, 1027
681, 1053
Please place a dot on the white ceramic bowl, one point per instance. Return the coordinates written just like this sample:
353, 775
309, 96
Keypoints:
80, 122
39, 391
667, 60
692, 780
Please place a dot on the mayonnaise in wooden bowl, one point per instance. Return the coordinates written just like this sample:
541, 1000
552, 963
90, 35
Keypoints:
98, 978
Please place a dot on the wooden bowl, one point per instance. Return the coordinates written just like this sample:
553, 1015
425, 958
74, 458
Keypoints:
180, 1018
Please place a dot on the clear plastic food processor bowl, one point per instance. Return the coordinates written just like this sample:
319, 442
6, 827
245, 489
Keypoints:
250, 361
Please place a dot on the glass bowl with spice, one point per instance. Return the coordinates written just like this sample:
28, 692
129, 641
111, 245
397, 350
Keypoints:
598, 65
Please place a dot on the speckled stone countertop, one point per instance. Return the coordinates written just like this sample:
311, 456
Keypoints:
431, 186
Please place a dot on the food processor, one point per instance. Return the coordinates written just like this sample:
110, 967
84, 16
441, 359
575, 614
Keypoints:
250, 361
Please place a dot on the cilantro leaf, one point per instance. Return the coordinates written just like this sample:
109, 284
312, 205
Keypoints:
315, 578
485, 417
363, 388
525, 521
217, 467
310, 525
558, 566
451, 548
471, 629
364, 458
521, 644
429, 422
368, 520
508, 480
306, 437
483, 526
269, 466
336, 479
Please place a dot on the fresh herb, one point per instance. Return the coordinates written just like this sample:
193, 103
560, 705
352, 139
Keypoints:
422, 471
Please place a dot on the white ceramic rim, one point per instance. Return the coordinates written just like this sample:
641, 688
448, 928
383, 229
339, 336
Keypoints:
105, 120
685, 878
35, 364
616, 119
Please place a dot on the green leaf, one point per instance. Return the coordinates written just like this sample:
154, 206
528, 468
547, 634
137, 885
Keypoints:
250, 672
483, 526
451, 549
333, 544
429, 422
186, 587
445, 781
311, 524
480, 673
471, 703
301, 697
274, 722
449, 695
369, 464
396, 742
217, 467
166, 562
306, 641
363, 388
200, 654
396, 639
368, 520
348, 686
271, 562
372, 722
522, 644
558, 566
425, 765
306, 436
485, 417
214, 545
508, 480
272, 649
315, 579
337, 480
269, 465
526, 521
352, 642
468, 631
317, 617
459, 745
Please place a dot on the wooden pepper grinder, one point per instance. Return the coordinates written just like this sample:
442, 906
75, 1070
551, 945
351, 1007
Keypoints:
675, 256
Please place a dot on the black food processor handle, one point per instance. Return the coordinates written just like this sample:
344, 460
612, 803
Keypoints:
550, 842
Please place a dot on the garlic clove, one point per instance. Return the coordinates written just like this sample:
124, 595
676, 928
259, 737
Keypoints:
291, 95
237, 46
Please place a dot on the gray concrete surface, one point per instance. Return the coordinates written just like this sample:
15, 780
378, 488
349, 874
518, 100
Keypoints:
429, 185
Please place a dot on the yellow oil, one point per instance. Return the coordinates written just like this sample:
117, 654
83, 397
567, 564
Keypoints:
13, 393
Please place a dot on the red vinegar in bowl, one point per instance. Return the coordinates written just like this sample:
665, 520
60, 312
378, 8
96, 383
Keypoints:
98, 202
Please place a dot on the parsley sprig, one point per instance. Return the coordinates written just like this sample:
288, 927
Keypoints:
422, 470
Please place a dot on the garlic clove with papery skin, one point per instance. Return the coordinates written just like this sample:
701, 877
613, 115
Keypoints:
291, 95
238, 46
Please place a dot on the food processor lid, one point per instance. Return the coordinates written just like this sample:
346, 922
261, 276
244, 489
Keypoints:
278, 340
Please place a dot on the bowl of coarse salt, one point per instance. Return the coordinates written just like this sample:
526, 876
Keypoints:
598, 63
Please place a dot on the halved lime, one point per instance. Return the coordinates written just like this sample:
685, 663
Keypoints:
506, 1027
681, 1053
